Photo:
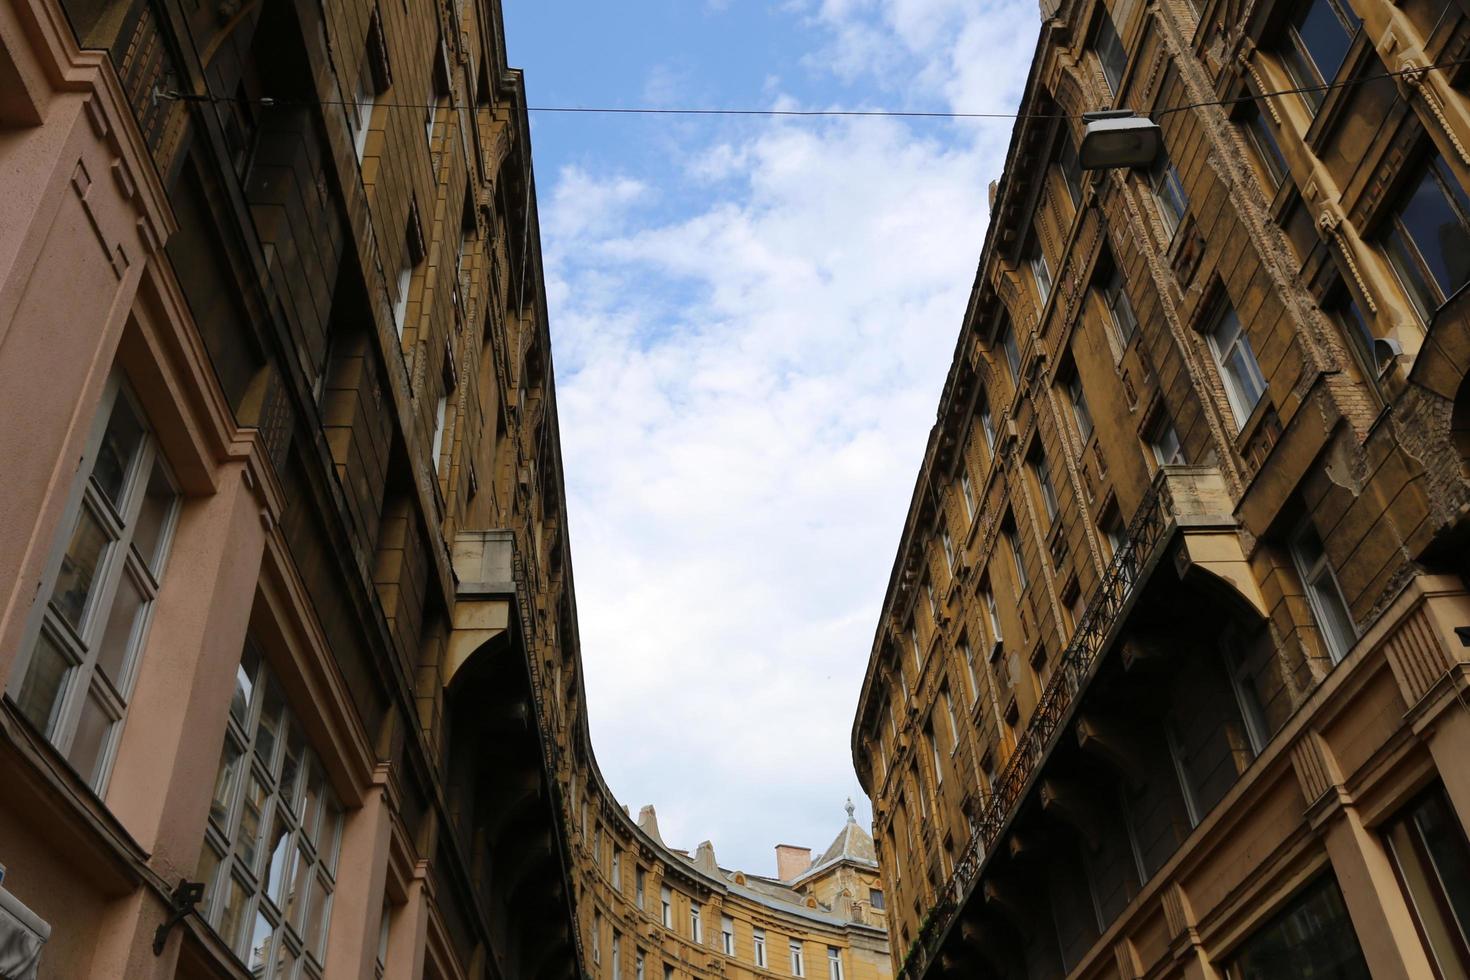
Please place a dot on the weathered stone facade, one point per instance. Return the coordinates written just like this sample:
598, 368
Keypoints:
1175, 637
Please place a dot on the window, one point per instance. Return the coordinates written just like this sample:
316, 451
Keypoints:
269, 860
834, 963
1427, 238
1042, 272
954, 728
1263, 141
1007, 339
1044, 486
696, 932
597, 937
797, 967
875, 898
1114, 531
933, 603
617, 869
1110, 53
406, 266
1244, 385
668, 972
1432, 858
1169, 194
991, 612
638, 965
438, 92
89, 632
1071, 172
617, 955
1323, 595
1315, 45
1080, 412
1164, 441
967, 492
1311, 937
948, 545
969, 654
760, 947
441, 413
369, 85
727, 935
914, 645
1343, 309
1018, 561
1120, 311
666, 898
987, 425
934, 753
638, 878
380, 965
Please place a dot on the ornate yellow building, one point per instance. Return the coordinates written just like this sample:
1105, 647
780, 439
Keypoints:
1170, 675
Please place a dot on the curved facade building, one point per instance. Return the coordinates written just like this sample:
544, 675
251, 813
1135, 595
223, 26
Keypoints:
651, 911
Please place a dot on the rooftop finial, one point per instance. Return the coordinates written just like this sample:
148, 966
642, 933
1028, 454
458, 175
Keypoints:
850, 808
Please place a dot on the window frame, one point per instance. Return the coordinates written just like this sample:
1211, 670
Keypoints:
1115, 294
1108, 41
1235, 392
1416, 275
1315, 575
85, 682
1170, 198
314, 837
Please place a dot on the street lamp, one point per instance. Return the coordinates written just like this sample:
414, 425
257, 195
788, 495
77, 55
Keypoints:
1118, 138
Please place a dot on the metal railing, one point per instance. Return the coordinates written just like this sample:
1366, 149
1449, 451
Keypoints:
1150, 527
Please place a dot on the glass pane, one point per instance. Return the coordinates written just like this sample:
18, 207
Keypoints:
207, 870
224, 781
291, 768
1324, 37
232, 915
277, 848
1445, 841
90, 742
89, 544
257, 955
44, 684
245, 679
285, 960
331, 826
316, 918
117, 636
294, 901
314, 790
1438, 233
118, 451
269, 731
1313, 937
158, 505
247, 840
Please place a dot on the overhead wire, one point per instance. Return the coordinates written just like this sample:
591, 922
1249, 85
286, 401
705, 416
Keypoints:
828, 113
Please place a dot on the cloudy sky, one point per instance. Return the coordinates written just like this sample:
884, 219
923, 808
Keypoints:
751, 323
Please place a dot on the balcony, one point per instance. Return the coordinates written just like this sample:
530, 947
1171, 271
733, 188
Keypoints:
1187, 505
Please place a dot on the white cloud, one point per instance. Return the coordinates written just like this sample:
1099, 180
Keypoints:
745, 391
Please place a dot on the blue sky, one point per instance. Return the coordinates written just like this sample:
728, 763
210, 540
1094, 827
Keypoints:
751, 321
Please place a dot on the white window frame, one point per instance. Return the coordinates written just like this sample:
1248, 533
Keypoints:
1317, 576
84, 684
1163, 440
406, 268
617, 868
696, 924
798, 959
834, 963
617, 955
666, 905
760, 946
1236, 361
1081, 414
727, 935
967, 492
1115, 298
1041, 272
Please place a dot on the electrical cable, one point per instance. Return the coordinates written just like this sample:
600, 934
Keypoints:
828, 113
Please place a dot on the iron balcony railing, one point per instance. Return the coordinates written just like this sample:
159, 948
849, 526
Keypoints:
1151, 525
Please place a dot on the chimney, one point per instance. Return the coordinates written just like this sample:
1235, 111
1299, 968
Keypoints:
792, 861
